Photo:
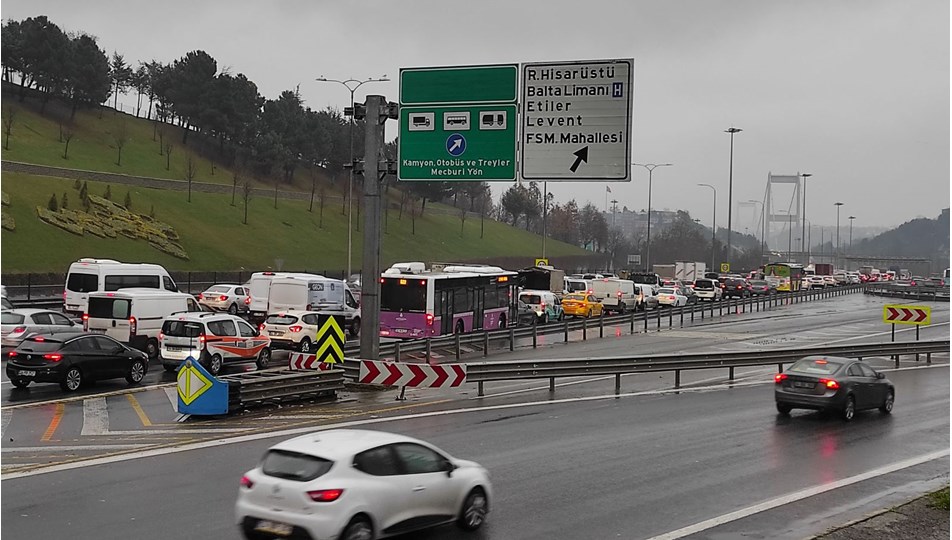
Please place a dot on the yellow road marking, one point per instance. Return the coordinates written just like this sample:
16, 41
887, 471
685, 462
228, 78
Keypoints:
54, 423
144, 418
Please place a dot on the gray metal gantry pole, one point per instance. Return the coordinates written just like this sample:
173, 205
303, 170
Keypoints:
370, 263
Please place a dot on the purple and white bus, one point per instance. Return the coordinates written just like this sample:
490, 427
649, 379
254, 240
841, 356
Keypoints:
417, 303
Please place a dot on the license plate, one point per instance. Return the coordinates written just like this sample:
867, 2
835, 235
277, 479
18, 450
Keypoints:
97, 330
172, 349
401, 330
26, 373
276, 333
273, 527
801, 384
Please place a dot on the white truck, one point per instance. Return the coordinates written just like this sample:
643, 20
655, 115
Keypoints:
315, 293
689, 271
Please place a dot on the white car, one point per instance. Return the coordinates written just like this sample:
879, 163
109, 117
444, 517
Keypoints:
671, 296
708, 289
354, 484
813, 282
226, 297
19, 324
292, 329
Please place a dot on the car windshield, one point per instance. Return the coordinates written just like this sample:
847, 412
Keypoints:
666, 291
531, 298
182, 329
758, 283
218, 289
575, 285
40, 344
577, 297
703, 284
815, 366
294, 465
281, 319
12, 318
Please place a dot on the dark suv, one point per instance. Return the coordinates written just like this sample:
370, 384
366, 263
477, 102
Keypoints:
737, 287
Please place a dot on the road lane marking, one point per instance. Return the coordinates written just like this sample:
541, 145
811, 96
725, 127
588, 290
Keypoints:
54, 423
798, 495
171, 392
95, 417
71, 448
144, 418
5, 416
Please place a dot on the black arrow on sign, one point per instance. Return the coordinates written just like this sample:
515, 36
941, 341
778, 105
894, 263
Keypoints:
580, 156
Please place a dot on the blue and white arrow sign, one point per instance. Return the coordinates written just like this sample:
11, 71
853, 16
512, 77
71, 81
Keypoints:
456, 144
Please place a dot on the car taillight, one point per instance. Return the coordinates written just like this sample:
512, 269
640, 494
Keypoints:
830, 383
261, 327
161, 336
542, 305
54, 357
325, 495
429, 319
778, 378
308, 307
246, 482
19, 330
618, 294
738, 286
296, 328
64, 295
85, 322
201, 296
132, 326
223, 298
247, 300
201, 339
12, 354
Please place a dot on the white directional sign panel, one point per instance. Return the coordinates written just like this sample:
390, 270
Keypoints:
576, 120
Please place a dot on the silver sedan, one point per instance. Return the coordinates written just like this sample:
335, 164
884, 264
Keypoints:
18, 324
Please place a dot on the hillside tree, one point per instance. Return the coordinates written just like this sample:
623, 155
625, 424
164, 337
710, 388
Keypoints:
121, 75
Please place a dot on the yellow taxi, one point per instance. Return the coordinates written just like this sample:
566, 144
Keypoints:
582, 305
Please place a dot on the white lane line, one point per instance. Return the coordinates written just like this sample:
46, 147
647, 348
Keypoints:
798, 495
95, 417
172, 393
183, 431
5, 416
71, 448
886, 333
303, 417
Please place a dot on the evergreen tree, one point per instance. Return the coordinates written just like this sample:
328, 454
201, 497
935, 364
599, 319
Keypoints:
128, 202
52, 205
108, 194
84, 193
152, 212
65, 201
77, 185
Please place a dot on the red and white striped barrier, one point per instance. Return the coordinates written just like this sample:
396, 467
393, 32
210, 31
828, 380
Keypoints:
307, 361
415, 375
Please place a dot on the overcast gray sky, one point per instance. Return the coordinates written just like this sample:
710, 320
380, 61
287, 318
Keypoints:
855, 92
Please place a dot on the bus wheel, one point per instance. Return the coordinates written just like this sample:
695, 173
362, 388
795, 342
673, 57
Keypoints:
459, 327
502, 321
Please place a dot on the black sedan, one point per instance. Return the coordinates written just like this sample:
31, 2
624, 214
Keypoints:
843, 385
71, 359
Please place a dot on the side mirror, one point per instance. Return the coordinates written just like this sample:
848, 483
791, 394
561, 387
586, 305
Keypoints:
880, 375
449, 467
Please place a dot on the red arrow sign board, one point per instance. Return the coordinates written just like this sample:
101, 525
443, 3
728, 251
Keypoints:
413, 375
896, 314
307, 361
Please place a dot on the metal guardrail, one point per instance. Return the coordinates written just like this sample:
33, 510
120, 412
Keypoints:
645, 319
259, 387
909, 292
551, 369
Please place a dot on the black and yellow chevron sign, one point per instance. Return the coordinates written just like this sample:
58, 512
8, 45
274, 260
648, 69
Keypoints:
330, 339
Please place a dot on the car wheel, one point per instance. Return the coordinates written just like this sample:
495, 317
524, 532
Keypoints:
354, 329
264, 358
136, 372
561, 315
20, 383
621, 309
152, 349
305, 345
214, 364
849, 410
473, 513
359, 528
888, 404
72, 380
233, 309
545, 318
784, 408
589, 314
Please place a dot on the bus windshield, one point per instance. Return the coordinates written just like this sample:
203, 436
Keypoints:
409, 297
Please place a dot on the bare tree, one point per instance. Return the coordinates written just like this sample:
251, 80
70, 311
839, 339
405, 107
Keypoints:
168, 155
462, 219
321, 197
66, 133
120, 137
235, 175
246, 197
9, 114
190, 171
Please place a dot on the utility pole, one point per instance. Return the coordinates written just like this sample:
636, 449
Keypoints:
376, 112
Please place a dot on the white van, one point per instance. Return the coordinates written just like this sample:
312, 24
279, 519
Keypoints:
305, 292
91, 275
134, 316
259, 291
617, 295
575, 285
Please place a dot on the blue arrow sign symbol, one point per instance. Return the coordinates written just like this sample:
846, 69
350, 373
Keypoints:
456, 144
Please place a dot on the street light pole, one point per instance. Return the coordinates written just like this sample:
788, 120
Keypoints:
713, 223
730, 192
352, 85
651, 167
851, 218
803, 214
836, 252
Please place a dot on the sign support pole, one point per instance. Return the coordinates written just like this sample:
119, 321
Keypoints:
370, 265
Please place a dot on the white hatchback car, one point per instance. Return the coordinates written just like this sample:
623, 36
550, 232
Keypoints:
355, 484
671, 297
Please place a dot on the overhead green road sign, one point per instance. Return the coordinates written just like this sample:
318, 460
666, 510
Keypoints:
458, 123
464, 84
